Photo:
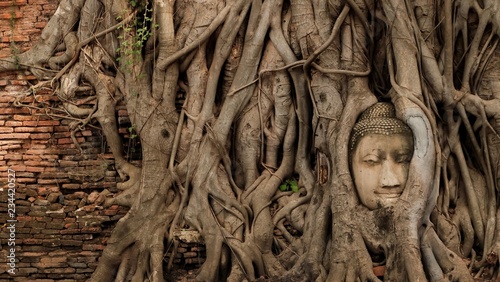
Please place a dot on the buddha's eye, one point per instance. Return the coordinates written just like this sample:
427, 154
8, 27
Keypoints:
403, 158
371, 160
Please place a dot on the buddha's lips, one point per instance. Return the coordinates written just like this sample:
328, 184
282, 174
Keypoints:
389, 193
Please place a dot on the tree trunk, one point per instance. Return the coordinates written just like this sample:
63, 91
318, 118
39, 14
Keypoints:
244, 111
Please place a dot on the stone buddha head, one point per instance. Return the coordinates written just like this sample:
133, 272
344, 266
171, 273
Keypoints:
381, 148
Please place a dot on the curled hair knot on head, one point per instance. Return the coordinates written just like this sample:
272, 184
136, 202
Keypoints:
379, 118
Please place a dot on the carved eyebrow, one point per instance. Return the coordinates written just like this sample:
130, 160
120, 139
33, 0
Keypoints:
375, 152
405, 151
403, 155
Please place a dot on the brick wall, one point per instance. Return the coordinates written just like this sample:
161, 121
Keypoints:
21, 22
61, 227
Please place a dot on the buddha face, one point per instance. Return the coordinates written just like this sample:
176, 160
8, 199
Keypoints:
380, 168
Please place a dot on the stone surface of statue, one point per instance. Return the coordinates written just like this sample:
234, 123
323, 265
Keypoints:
381, 151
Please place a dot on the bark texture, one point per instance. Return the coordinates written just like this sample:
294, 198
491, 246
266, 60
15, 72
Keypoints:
244, 111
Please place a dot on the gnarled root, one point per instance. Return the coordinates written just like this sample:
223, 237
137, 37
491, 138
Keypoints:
451, 265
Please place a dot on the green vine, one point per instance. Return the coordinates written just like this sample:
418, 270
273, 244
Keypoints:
135, 34
131, 130
133, 142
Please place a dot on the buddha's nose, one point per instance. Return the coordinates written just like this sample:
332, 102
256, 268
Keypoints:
389, 175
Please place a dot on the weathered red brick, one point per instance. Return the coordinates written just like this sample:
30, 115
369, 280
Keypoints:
71, 186
13, 157
49, 157
31, 157
33, 254
44, 191
52, 181
18, 82
26, 180
86, 133
59, 258
8, 142
6, 98
45, 266
49, 7
91, 230
38, 152
41, 123
71, 231
29, 76
11, 147
4, 129
24, 218
15, 136
58, 273
40, 25
35, 168
58, 215
63, 163
26, 272
68, 140
61, 128
9, 3
23, 118
40, 136
38, 2
32, 241
34, 129
13, 123
11, 15
71, 225
18, 168
64, 134
36, 163
34, 145
92, 247
13, 110
110, 212
53, 175
25, 174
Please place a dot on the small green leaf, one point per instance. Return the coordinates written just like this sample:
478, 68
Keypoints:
295, 188
283, 187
